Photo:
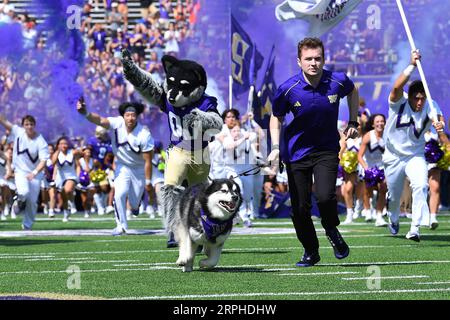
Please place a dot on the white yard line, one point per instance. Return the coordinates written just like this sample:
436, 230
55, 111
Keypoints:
154, 266
432, 283
316, 273
384, 278
275, 294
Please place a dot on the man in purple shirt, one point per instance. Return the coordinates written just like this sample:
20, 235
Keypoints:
310, 144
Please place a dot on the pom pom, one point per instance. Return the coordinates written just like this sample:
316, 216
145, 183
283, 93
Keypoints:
444, 162
349, 161
84, 178
98, 175
373, 176
433, 153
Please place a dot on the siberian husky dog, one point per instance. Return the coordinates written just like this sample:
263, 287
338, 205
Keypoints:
203, 215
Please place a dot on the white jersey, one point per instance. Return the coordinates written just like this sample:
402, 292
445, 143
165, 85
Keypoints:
374, 151
354, 144
27, 152
405, 129
128, 147
89, 165
65, 167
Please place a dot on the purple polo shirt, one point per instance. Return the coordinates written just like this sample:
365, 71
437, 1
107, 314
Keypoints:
185, 139
315, 114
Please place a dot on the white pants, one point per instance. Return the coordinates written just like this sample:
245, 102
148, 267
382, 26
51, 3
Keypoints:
129, 183
28, 191
396, 169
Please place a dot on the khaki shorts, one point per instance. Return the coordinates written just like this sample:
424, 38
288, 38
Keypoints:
183, 164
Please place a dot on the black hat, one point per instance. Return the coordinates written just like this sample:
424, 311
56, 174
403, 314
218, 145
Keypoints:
131, 106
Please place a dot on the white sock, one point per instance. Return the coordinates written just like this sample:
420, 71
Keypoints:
349, 212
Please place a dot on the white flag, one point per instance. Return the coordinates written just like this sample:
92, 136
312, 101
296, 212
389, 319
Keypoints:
322, 15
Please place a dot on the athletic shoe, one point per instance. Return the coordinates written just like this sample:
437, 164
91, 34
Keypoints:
2, 217
6, 210
433, 222
66, 216
86, 214
355, 216
247, 223
348, 220
117, 231
73, 210
150, 211
101, 211
45, 210
341, 249
171, 243
51, 213
308, 260
135, 212
109, 209
380, 222
393, 227
413, 236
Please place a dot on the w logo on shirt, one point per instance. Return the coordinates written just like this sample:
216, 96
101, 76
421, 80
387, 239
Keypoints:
297, 104
333, 98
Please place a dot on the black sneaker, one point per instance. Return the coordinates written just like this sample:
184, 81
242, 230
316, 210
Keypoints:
171, 243
308, 260
341, 249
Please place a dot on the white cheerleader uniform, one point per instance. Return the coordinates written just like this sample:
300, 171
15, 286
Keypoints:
65, 169
27, 154
374, 151
129, 178
404, 156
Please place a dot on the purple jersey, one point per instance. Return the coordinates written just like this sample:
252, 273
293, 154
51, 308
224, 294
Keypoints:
100, 149
315, 110
186, 139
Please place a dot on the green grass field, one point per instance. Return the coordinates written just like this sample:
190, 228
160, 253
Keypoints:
256, 264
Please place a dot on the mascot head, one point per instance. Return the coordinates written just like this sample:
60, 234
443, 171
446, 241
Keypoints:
185, 81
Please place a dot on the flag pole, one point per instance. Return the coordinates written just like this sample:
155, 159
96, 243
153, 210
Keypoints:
413, 47
230, 77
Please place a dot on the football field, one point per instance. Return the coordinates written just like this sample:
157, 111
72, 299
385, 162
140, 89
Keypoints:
80, 260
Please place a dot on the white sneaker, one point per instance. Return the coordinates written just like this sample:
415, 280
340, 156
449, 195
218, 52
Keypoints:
150, 211
51, 213
2, 217
13, 215
141, 208
348, 219
45, 210
6, 210
73, 210
380, 222
247, 223
128, 215
117, 231
411, 235
433, 222
109, 209
86, 214
355, 215
92, 210
66, 216
101, 211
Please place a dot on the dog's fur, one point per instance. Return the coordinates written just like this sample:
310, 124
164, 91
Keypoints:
220, 201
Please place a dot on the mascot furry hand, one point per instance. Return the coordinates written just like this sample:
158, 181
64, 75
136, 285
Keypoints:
192, 115
182, 96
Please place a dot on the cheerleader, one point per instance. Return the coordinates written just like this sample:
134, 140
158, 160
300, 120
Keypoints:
29, 156
66, 178
432, 155
370, 157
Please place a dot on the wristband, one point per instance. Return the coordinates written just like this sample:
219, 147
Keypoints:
409, 70
148, 182
35, 172
276, 147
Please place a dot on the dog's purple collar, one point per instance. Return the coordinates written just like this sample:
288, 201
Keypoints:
214, 228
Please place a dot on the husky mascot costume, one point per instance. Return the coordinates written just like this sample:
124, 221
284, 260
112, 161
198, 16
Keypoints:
193, 121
